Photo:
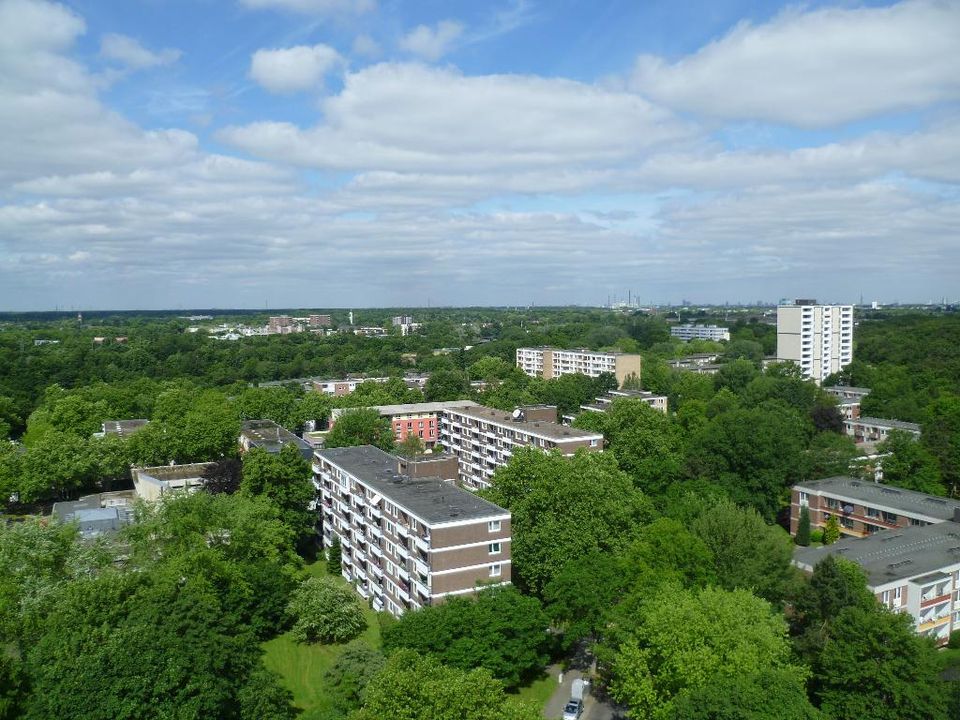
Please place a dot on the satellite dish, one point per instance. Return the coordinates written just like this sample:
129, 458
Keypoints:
517, 414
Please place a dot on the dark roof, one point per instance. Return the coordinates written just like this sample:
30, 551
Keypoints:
890, 555
431, 499
871, 493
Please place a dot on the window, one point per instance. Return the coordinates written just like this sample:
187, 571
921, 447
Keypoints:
495, 570
847, 522
593, 443
832, 503
873, 512
391, 528
870, 529
889, 517
897, 594
920, 523
493, 526
494, 548
885, 597
804, 499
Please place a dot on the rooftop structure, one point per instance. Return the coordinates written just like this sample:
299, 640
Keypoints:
99, 514
270, 436
408, 539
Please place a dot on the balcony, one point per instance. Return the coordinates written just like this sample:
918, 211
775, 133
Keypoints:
403, 573
375, 550
377, 570
362, 591
421, 588
403, 552
423, 544
403, 594
402, 531
421, 567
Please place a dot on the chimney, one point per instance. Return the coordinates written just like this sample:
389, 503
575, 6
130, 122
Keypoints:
956, 514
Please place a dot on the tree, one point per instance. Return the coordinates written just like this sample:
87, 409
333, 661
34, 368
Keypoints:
666, 546
747, 553
325, 610
735, 375
579, 597
284, 478
941, 437
564, 508
351, 673
645, 442
410, 446
770, 695
223, 476
682, 639
499, 630
831, 531
802, 537
421, 688
835, 584
447, 385
58, 466
874, 666
263, 697
363, 426
334, 556
909, 465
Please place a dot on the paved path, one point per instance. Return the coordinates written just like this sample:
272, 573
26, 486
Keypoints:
594, 708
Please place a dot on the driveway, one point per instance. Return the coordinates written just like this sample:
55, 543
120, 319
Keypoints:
594, 707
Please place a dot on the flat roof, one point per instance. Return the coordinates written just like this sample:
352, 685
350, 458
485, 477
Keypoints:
405, 408
871, 493
847, 388
889, 555
548, 430
583, 351
431, 499
883, 422
124, 427
270, 436
191, 471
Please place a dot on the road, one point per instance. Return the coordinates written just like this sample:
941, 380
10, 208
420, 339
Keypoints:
594, 708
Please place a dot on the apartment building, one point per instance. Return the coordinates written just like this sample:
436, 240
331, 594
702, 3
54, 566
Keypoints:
269, 436
344, 386
847, 392
418, 419
874, 430
550, 363
819, 338
699, 363
863, 507
484, 438
913, 569
317, 321
409, 539
700, 332
605, 402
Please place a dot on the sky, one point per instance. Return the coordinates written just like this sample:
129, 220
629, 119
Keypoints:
358, 153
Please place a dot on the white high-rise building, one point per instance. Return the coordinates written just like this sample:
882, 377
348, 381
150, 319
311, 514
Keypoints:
819, 338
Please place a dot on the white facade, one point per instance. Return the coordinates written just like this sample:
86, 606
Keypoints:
700, 332
819, 338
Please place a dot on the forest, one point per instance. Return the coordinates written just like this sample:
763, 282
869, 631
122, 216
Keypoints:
665, 555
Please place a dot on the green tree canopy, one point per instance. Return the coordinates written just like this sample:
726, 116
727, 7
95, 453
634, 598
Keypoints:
286, 480
363, 426
326, 610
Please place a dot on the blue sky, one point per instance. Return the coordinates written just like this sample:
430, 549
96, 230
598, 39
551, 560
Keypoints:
175, 153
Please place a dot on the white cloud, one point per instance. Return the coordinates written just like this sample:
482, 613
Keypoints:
817, 68
130, 52
366, 46
293, 69
408, 117
313, 7
37, 26
432, 43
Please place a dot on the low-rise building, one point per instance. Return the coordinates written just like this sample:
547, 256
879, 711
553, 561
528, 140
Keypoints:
417, 419
409, 538
700, 332
863, 507
605, 402
270, 436
700, 363
874, 430
484, 438
99, 514
152, 483
343, 386
548, 363
847, 392
915, 570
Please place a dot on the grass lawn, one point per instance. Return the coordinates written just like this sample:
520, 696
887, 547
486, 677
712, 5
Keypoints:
539, 691
302, 666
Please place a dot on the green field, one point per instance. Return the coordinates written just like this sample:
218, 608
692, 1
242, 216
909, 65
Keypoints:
303, 666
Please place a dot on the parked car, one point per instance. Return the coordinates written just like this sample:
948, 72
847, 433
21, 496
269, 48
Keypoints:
573, 710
